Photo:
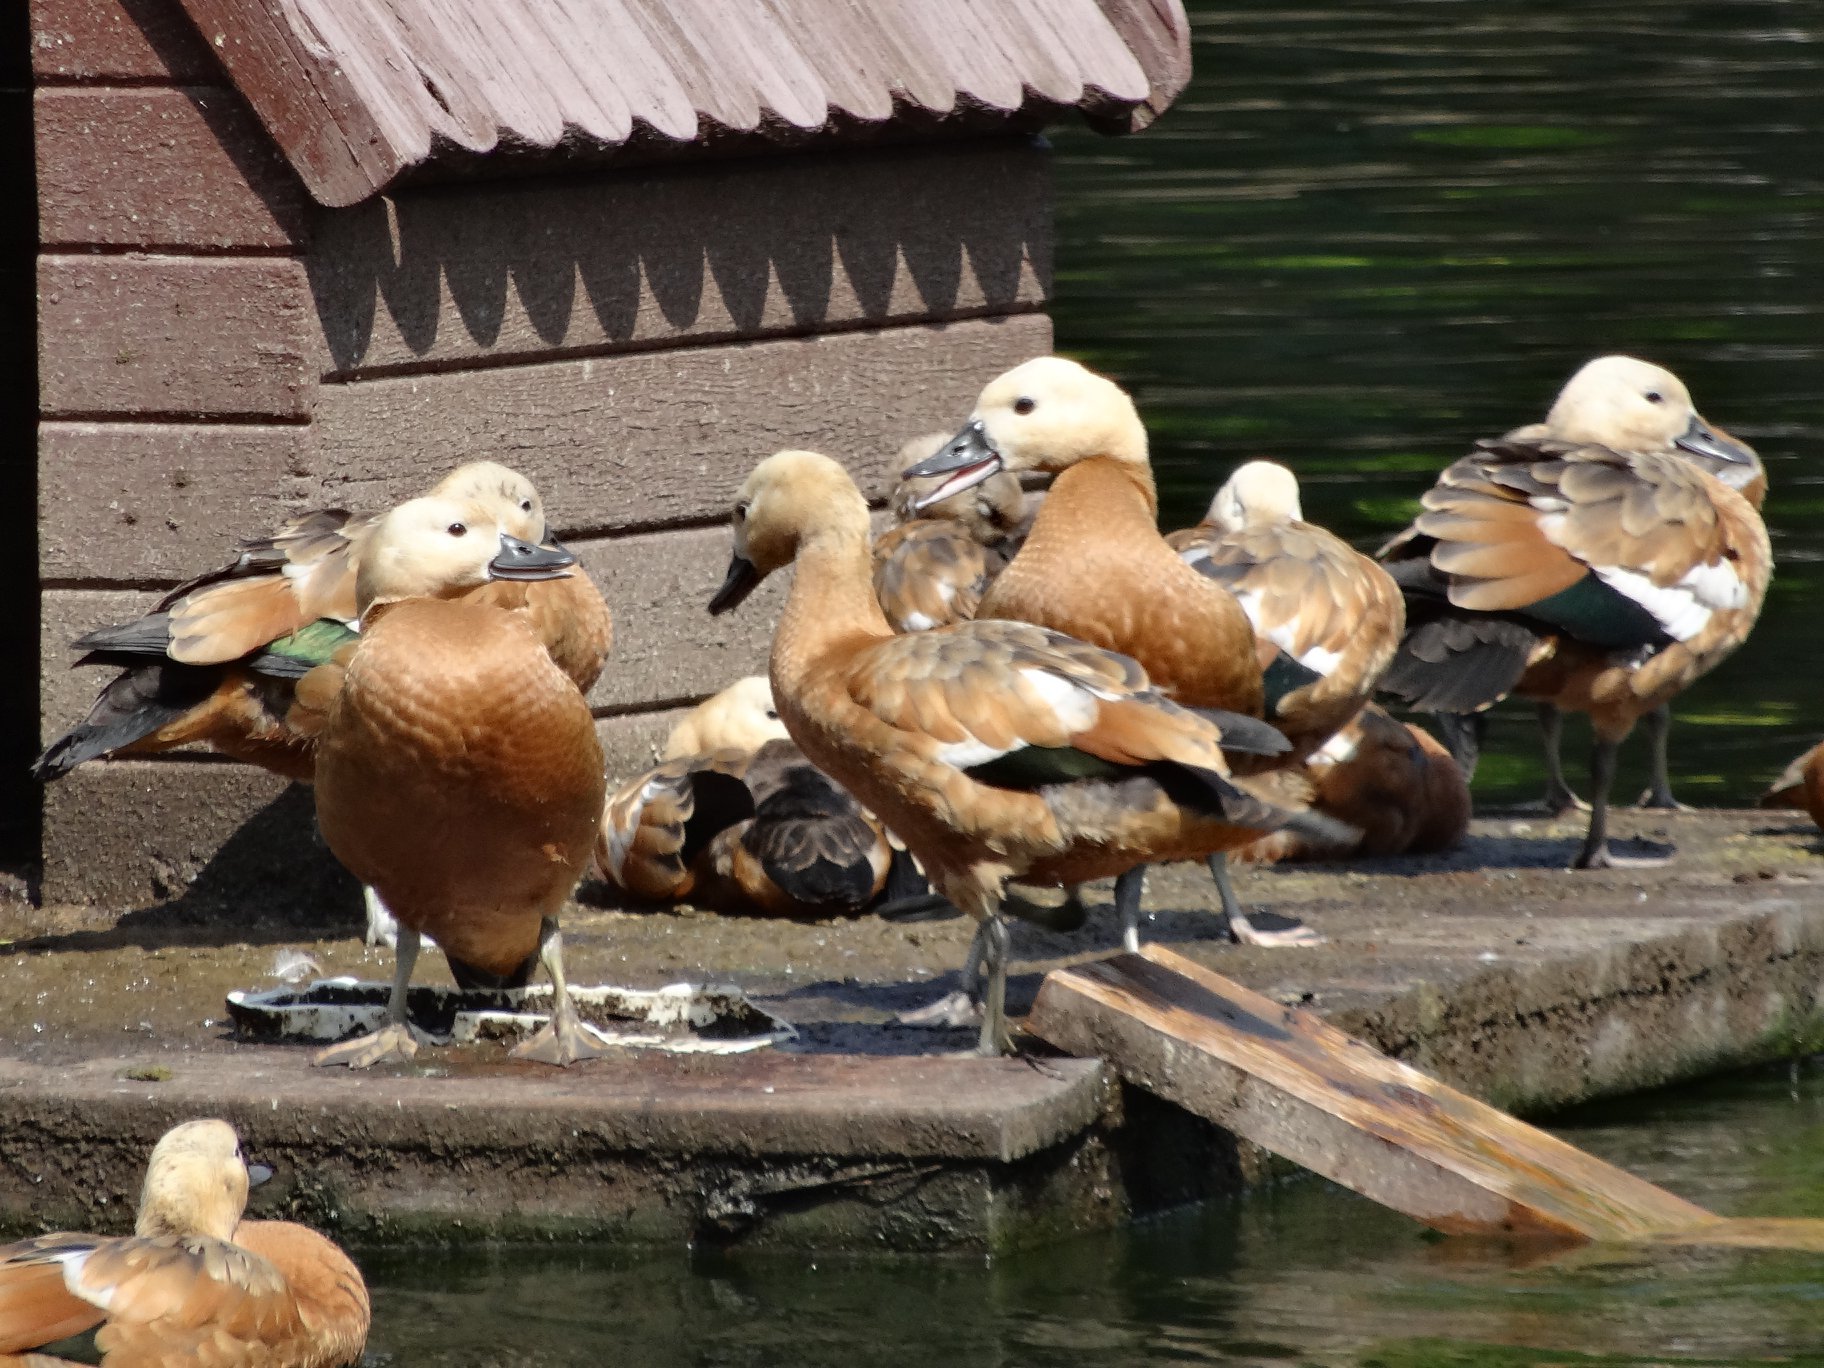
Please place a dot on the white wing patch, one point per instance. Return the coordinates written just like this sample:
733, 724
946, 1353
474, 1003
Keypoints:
1320, 659
74, 1261
1682, 609
1339, 749
917, 622
1071, 703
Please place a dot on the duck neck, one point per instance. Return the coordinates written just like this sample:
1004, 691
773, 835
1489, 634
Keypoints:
1114, 486
832, 598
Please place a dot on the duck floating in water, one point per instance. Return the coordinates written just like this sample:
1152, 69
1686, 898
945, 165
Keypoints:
458, 772
996, 750
195, 1283
1593, 564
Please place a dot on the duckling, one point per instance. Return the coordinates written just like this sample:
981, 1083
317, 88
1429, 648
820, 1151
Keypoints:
1393, 789
1800, 785
458, 772
757, 833
218, 660
1334, 615
1094, 565
196, 1281
997, 750
1594, 564
933, 567
740, 717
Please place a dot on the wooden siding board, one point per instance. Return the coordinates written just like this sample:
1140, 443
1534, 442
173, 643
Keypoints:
149, 335
142, 502
165, 166
643, 440
800, 244
117, 40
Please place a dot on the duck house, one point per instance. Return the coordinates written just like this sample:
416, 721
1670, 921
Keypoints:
294, 254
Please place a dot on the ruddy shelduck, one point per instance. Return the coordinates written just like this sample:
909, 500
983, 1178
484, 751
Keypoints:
1800, 785
458, 772
996, 750
933, 566
195, 1283
1599, 569
1094, 566
740, 717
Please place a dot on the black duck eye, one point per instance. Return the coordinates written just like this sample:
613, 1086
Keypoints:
741, 510
771, 716
1024, 404
1655, 397
458, 529
525, 505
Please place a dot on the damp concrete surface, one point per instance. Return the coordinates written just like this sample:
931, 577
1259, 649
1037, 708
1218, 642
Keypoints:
1493, 967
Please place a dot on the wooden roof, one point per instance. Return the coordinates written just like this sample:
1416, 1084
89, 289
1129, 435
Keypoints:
360, 92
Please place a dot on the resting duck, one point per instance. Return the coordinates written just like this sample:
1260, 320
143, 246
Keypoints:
740, 717
932, 568
217, 661
996, 750
757, 833
1095, 567
1800, 785
458, 772
194, 1283
1391, 787
1334, 615
1594, 564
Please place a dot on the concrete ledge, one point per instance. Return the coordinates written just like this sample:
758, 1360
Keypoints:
1494, 968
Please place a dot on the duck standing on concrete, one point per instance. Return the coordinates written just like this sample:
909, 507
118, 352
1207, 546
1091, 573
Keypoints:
458, 772
934, 565
1800, 785
997, 750
1595, 565
1094, 566
195, 1282
216, 662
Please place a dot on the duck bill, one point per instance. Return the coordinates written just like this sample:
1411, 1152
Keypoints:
742, 579
1700, 439
521, 560
257, 1174
968, 458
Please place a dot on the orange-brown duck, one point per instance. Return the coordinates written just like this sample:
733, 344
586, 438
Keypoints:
1800, 785
1094, 566
1593, 563
458, 772
996, 750
196, 1283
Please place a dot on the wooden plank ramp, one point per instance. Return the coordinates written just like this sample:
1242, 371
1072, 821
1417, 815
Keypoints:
1292, 1083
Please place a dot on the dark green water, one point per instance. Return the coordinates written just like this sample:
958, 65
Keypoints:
1300, 1274
1368, 235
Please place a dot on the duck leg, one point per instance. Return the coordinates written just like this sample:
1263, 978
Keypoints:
397, 1040
1236, 925
1559, 797
1659, 789
1596, 853
1129, 888
995, 1039
563, 1039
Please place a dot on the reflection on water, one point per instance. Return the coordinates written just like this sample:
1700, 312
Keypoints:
1368, 235
1303, 1273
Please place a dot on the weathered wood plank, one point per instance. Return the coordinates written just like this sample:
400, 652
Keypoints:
117, 40
661, 437
632, 259
144, 336
125, 833
1290, 1082
160, 167
142, 502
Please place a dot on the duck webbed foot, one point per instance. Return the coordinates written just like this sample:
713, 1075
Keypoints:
565, 1038
395, 1043
1264, 928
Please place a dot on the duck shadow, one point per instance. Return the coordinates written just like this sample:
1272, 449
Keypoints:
271, 882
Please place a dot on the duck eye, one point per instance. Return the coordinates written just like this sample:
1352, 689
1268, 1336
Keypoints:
1655, 397
525, 505
741, 509
458, 529
1025, 404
